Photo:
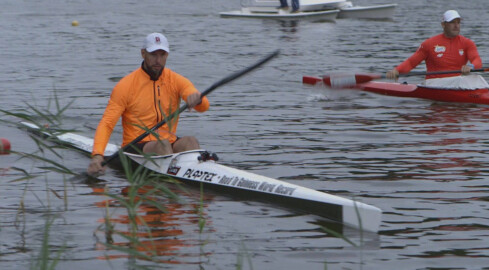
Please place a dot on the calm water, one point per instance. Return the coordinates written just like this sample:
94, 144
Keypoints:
423, 163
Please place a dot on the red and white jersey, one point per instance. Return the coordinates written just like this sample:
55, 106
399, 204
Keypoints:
442, 53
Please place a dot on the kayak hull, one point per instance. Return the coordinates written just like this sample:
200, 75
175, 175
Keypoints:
199, 167
478, 96
188, 167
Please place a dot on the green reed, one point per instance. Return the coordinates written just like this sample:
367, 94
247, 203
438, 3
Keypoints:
47, 152
341, 236
44, 261
144, 189
200, 210
242, 255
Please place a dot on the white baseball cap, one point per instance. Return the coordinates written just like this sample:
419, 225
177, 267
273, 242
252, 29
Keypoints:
450, 15
156, 41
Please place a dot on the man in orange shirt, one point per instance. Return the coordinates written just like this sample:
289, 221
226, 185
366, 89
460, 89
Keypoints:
144, 98
446, 51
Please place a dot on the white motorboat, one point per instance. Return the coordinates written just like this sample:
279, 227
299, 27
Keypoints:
200, 167
317, 10
327, 10
305, 5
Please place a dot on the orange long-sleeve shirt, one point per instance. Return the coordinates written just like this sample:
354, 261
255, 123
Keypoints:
442, 53
143, 102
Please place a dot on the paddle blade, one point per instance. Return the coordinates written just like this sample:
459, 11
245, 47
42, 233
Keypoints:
311, 80
348, 80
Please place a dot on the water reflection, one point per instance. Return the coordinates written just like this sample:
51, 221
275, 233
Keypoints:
443, 117
422, 163
288, 26
164, 236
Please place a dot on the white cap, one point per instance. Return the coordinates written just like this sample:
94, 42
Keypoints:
450, 15
156, 41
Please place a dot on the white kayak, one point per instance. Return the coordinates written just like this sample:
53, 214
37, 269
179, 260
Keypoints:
198, 166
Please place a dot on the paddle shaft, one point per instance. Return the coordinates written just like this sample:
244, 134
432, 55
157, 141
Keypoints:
222, 82
343, 80
417, 73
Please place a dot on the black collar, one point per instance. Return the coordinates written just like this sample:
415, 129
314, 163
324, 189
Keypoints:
152, 76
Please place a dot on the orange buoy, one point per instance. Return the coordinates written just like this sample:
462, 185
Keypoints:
4, 146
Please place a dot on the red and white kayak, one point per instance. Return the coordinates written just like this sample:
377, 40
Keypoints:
478, 96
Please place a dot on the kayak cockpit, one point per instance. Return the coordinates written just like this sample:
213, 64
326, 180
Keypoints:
468, 82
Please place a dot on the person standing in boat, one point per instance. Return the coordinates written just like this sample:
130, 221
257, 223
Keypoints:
143, 98
285, 5
446, 51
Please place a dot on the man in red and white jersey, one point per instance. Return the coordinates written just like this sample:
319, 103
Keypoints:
446, 51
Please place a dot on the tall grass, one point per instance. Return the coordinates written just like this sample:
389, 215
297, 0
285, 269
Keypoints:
242, 255
144, 189
44, 260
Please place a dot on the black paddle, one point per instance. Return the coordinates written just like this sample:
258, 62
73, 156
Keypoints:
346, 80
222, 82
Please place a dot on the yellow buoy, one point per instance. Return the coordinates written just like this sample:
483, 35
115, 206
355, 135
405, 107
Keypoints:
74, 23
